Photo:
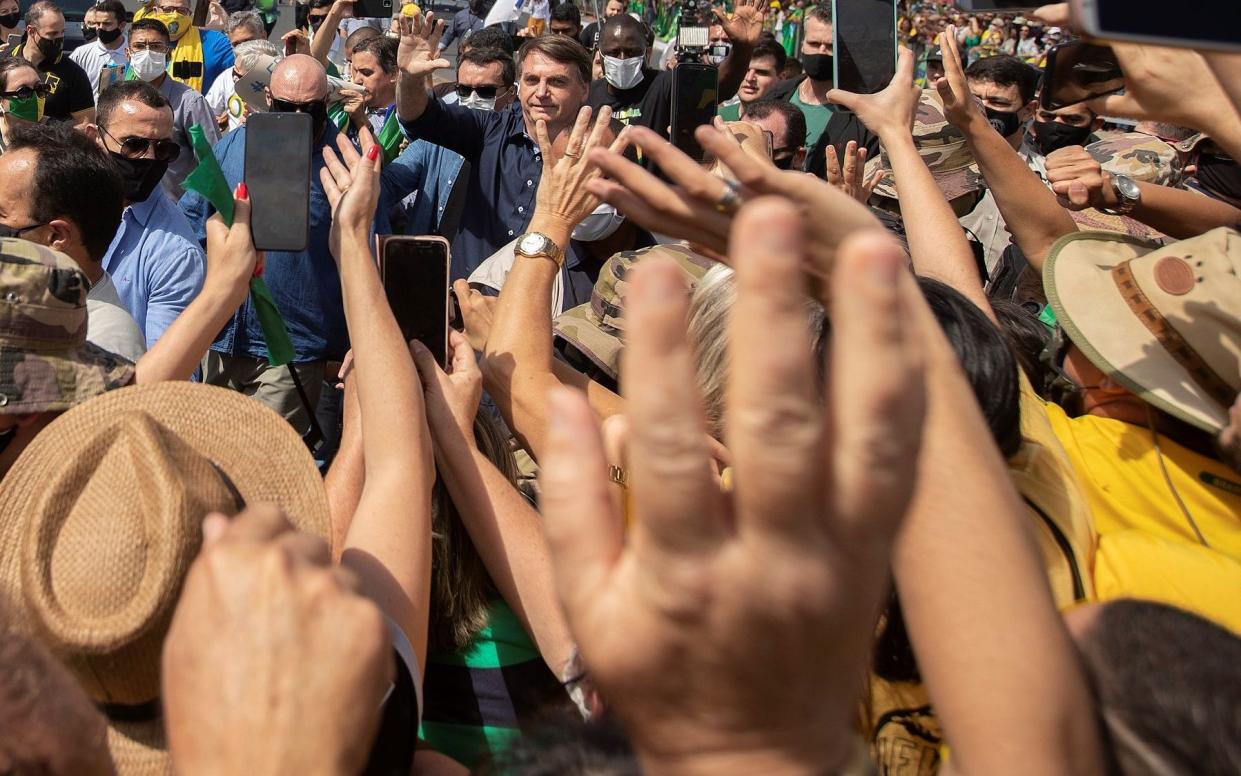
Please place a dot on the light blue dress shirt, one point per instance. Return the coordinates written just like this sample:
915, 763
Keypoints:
156, 263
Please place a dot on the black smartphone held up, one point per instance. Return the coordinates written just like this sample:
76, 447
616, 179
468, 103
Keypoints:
695, 99
415, 280
1077, 71
1001, 5
1211, 26
864, 44
373, 9
277, 172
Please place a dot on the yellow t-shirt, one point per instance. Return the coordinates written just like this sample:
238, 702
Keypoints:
1118, 467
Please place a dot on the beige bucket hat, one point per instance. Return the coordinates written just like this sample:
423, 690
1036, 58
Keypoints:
100, 519
1164, 321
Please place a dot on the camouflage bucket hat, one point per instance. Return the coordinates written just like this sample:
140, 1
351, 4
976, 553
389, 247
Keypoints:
1141, 157
942, 147
597, 328
45, 361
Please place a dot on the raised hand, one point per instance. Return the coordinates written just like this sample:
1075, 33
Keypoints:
746, 23
888, 111
420, 37
231, 258
960, 107
452, 397
351, 183
729, 630
852, 178
563, 195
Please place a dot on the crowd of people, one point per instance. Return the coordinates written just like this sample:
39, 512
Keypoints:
901, 436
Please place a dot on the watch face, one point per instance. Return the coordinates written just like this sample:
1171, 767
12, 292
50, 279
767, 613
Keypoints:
531, 243
1128, 188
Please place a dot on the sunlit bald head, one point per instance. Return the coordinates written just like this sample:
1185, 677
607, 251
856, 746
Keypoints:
299, 78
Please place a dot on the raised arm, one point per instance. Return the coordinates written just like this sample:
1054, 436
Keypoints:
937, 243
504, 528
230, 265
388, 544
326, 35
518, 352
417, 58
1030, 210
743, 28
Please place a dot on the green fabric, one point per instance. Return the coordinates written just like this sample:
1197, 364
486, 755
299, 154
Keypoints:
336, 114
817, 117
730, 112
27, 109
502, 643
208, 180
467, 744
390, 137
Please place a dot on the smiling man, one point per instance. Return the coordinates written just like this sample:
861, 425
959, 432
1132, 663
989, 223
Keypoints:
505, 163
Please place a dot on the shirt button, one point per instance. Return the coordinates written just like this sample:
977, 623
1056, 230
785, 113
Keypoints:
510, 233
521, 210
529, 183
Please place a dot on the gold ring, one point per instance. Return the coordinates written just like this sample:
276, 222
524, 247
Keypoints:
730, 201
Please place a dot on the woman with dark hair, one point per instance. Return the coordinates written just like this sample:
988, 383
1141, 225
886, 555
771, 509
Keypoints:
21, 96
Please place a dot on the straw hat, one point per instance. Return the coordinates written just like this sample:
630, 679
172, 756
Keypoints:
100, 520
1165, 322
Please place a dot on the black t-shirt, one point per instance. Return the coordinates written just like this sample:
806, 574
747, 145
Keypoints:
70, 89
590, 36
649, 104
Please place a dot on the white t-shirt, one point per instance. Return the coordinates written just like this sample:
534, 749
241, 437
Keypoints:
222, 96
94, 56
109, 325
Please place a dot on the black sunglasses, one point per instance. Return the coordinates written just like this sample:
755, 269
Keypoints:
284, 106
1058, 386
485, 92
26, 92
136, 147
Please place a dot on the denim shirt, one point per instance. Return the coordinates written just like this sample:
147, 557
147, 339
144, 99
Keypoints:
505, 169
305, 285
156, 263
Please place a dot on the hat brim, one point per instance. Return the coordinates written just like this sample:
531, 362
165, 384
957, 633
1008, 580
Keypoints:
259, 452
1088, 305
63, 379
953, 183
577, 326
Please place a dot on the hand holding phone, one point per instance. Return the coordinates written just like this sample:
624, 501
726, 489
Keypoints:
864, 44
415, 280
277, 172
1078, 71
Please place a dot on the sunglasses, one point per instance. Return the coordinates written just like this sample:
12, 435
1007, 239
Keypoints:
284, 106
1058, 386
136, 147
26, 92
17, 231
484, 92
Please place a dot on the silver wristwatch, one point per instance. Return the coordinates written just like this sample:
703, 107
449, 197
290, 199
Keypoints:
1128, 195
537, 244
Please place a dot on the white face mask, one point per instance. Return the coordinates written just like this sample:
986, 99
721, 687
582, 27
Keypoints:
599, 225
148, 65
475, 102
623, 73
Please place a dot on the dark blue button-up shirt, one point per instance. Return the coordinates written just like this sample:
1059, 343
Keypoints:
505, 167
305, 285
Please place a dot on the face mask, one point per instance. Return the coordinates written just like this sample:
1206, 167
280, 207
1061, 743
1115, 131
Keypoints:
177, 23
89, 34
108, 37
1052, 135
623, 73
10, 20
718, 53
818, 67
474, 102
1219, 175
1004, 122
141, 176
599, 225
28, 109
50, 48
148, 65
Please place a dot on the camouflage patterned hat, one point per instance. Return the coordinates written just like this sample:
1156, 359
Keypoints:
1140, 156
45, 361
942, 147
597, 328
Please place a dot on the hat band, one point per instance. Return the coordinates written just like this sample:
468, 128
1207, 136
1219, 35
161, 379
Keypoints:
1169, 338
149, 711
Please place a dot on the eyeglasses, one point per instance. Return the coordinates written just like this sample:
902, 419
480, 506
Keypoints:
136, 147
173, 9
11, 231
26, 92
158, 48
1058, 384
483, 92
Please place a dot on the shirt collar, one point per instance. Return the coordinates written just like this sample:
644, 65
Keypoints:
142, 211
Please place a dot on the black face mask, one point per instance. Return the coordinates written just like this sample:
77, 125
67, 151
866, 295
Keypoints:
141, 176
10, 20
50, 48
1004, 122
108, 37
89, 34
818, 67
1219, 175
1052, 135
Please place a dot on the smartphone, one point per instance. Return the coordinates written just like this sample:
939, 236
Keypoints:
415, 280
1198, 25
695, 99
1078, 71
14, 39
864, 43
277, 172
1000, 5
373, 9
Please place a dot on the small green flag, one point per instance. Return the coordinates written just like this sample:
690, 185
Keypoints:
390, 137
336, 114
208, 180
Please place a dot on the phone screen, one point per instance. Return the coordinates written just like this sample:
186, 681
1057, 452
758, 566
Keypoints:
373, 9
277, 172
695, 94
1157, 19
415, 279
1078, 71
865, 44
